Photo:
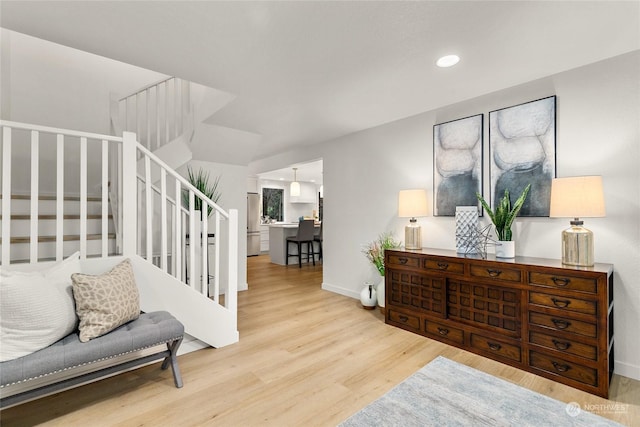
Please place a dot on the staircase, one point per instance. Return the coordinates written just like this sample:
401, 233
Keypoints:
138, 214
100, 235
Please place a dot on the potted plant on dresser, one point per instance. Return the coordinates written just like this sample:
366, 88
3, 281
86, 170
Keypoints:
502, 218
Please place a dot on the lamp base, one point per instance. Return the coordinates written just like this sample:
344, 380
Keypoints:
413, 236
577, 245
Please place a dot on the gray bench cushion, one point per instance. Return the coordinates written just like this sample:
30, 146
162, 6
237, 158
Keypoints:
148, 330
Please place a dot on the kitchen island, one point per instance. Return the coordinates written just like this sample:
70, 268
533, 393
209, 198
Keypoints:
278, 234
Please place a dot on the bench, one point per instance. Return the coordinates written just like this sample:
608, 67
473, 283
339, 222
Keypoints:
70, 363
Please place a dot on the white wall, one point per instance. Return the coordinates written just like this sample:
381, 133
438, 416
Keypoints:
49, 84
598, 132
233, 189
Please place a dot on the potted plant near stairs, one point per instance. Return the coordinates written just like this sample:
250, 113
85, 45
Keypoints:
502, 218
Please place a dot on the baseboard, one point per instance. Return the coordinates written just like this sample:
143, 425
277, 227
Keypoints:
627, 370
190, 344
339, 290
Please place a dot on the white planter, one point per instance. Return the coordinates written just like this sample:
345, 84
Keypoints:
381, 292
368, 296
505, 249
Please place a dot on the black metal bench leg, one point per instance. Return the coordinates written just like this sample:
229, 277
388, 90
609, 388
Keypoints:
299, 255
173, 360
313, 252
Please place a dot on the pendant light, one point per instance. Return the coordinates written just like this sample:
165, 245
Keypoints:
294, 188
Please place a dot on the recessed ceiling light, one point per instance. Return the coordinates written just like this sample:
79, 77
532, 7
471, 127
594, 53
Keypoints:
448, 61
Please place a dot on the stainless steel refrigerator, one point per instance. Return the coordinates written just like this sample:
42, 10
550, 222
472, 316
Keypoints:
253, 224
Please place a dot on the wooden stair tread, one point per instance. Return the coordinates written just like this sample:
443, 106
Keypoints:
53, 197
66, 238
51, 217
46, 259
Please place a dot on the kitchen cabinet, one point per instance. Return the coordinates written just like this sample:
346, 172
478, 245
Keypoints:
264, 238
532, 313
308, 193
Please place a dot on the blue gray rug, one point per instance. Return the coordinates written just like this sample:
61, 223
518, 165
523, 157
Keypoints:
446, 393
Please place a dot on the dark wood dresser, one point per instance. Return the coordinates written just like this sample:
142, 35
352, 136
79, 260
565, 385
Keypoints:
532, 313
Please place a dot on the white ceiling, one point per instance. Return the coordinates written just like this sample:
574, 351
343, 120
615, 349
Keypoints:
307, 172
306, 72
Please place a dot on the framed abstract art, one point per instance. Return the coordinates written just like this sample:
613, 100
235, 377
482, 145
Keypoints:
457, 154
522, 148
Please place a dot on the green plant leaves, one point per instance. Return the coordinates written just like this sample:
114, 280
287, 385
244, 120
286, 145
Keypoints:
200, 180
504, 214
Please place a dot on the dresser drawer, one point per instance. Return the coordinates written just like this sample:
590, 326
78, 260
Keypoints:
495, 347
563, 282
439, 264
440, 331
561, 367
564, 303
404, 260
564, 345
407, 321
496, 273
563, 324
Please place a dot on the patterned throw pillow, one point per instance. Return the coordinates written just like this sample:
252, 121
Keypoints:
107, 301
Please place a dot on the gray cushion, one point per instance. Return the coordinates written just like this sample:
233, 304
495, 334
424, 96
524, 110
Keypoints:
148, 330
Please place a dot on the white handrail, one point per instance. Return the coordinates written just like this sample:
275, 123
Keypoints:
66, 132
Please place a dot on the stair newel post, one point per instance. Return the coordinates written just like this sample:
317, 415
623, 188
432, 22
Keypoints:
129, 202
231, 297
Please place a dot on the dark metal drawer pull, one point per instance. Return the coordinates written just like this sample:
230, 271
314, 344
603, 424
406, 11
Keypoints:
561, 302
561, 367
561, 324
560, 281
443, 265
494, 346
403, 260
443, 331
494, 273
403, 318
561, 345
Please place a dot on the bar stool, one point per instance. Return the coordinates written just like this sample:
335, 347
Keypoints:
304, 235
318, 238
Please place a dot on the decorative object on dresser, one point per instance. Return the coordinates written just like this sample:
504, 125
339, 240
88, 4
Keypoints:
466, 229
522, 144
577, 197
412, 204
457, 156
374, 251
502, 217
532, 313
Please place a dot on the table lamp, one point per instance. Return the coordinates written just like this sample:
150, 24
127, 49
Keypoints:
412, 204
577, 197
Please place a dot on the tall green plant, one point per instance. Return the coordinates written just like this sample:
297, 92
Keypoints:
200, 180
504, 214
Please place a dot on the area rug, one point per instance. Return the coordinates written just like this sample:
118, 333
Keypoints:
446, 393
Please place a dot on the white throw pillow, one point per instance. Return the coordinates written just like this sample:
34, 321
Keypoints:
36, 308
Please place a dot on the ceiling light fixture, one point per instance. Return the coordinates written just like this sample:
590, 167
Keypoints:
294, 188
448, 61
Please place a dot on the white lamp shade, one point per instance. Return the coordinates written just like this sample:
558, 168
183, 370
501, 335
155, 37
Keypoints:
294, 189
577, 197
412, 203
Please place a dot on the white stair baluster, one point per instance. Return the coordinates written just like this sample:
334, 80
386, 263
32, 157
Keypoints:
6, 195
59, 197
35, 196
105, 198
83, 197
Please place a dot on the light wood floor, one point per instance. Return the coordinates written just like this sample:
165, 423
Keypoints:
306, 357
